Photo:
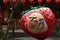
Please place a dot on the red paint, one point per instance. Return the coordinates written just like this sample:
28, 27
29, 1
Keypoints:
57, 1
48, 17
31, 1
23, 2
48, 1
5, 1
14, 1
39, 1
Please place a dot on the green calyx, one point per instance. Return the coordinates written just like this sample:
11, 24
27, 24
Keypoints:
32, 8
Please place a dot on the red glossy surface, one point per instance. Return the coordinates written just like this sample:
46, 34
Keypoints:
39, 1
31, 1
48, 17
57, 1
5, 1
14, 1
48, 1
23, 1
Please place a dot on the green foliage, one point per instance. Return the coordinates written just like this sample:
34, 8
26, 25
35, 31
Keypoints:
31, 8
58, 34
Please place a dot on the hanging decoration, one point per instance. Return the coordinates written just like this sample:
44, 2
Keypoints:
22, 2
39, 1
14, 1
5, 1
57, 1
48, 1
31, 1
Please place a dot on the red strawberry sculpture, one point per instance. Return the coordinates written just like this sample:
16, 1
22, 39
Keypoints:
38, 22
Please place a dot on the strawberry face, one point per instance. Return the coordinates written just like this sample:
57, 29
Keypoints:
38, 23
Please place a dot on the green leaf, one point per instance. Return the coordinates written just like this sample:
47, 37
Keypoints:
23, 12
31, 7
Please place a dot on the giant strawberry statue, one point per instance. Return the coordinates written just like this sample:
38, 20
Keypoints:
38, 22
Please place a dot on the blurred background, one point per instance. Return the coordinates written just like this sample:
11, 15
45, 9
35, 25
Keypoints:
11, 12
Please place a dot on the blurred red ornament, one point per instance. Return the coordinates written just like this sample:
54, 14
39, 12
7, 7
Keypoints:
31, 1
57, 1
14, 1
48, 1
22, 1
39, 1
5, 1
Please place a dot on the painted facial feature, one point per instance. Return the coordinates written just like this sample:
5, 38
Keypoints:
36, 23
